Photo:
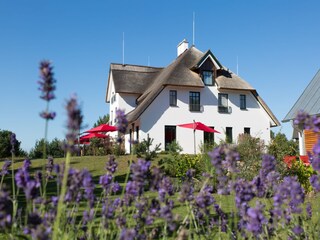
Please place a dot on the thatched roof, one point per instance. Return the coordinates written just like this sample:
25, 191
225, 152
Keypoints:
148, 82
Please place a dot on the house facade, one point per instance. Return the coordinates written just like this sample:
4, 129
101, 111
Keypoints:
309, 102
194, 87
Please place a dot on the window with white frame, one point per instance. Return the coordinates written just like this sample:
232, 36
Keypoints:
207, 78
223, 102
243, 102
173, 98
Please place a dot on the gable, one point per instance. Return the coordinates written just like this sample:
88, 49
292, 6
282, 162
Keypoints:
208, 56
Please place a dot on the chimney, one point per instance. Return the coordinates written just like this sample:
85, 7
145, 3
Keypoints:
182, 46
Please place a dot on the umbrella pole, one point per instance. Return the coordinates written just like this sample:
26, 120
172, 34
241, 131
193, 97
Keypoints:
194, 141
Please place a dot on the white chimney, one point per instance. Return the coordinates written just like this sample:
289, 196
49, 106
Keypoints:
182, 46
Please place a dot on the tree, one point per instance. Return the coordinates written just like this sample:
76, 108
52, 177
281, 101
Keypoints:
54, 148
37, 150
5, 144
102, 120
280, 146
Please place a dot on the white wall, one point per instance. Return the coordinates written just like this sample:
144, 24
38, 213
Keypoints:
159, 114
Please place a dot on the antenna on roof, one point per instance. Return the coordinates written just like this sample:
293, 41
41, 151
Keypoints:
193, 28
123, 48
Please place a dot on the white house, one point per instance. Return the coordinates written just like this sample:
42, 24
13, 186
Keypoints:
194, 87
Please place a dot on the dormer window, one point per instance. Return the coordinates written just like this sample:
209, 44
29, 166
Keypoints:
207, 78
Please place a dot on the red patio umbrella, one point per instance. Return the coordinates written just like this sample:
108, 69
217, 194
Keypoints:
103, 128
93, 135
197, 126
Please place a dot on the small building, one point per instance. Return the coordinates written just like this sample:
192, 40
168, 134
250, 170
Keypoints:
309, 102
194, 87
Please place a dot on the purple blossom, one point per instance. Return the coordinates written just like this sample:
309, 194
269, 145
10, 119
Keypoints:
256, 219
315, 162
205, 198
128, 234
132, 188
48, 115
186, 192
47, 82
165, 187
31, 189
22, 177
309, 210
26, 164
73, 124
297, 230
5, 210
106, 181
303, 120
111, 165
13, 142
5, 167
315, 182
244, 193
224, 159
289, 193
121, 123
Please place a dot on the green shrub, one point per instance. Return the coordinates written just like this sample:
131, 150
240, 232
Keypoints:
303, 173
142, 149
177, 165
250, 150
280, 146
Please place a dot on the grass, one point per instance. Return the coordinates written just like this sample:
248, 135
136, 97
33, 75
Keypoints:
96, 166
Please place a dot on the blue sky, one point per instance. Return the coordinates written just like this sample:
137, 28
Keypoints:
276, 43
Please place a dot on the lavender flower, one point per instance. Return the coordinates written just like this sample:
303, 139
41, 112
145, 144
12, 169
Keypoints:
224, 159
74, 123
121, 123
22, 177
5, 168
315, 182
47, 82
309, 210
303, 120
48, 115
47, 87
289, 193
106, 181
256, 219
111, 165
165, 187
13, 142
128, 234
5, 210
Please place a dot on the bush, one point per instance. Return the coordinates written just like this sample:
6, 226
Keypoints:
177, 165
143, 150
303, 173
250, 150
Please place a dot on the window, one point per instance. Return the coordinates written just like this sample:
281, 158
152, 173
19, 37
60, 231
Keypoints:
173, 98
169, 135
243, 102
246, 130
137, 133
229, 135
223, 102
194, 101
208, 137
207, 77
